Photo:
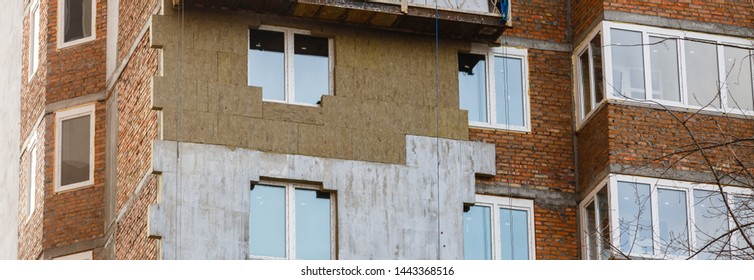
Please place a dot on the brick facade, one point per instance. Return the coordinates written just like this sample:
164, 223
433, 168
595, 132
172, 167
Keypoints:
555, 164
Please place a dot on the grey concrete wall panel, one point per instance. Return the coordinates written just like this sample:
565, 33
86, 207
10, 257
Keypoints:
11, 26
385, 211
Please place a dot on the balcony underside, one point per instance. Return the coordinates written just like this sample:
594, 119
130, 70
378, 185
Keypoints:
452, 24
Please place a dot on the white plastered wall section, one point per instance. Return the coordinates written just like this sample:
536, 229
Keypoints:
384, 211
11, 26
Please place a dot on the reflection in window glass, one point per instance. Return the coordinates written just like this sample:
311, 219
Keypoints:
586, 91
267, 221
509, 91
628, 63
472, 83
78, 19
663, 58
710, 221
596, 46
744, 206
603, 224
312, 68
738, 78
75, 150
477, 242
635, 218
267, 63
312, 225
674, 236
591, 229
514, 234
702, 74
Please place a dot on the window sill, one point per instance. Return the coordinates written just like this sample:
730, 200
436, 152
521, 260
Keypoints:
517, 129
74, 186
654, 104
65, 45
290, 103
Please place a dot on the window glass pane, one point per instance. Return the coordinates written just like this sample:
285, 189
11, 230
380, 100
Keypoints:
586, 92
744, 206
74, 151
78, 19
30, 181
34, 39
674, 236
477, 243
514, 234
312, 225
267, 63
312, 68
472, 86
591, 230
663, 58
596, 46
628, 63
509, 90
267, 221
738, 78
702, 74
603, 224
635, 218
710, 221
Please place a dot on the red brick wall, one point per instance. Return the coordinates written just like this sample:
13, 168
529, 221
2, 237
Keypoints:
731, 12
33, 91
555, 233
131, 240
79, 69
75, 215
592, 148
30, 227
137, 129
583, 14
539, 19
544, 157
133, 14
642, 136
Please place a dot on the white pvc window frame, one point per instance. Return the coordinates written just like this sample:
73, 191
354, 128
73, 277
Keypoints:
495, 203
611, 183
33, 38
61, 26
31, 183
290, 219
289, 88
61, 116
491, 94
646, 31
578, 79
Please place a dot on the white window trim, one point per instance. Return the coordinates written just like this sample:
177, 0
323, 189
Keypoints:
61, 27
582, 116
61, 116
34, 36
611, 183
491, 94
496, 203
646, 31
87, 255
290, 220
31, 149
289, 89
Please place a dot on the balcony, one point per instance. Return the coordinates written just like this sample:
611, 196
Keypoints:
477, 20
